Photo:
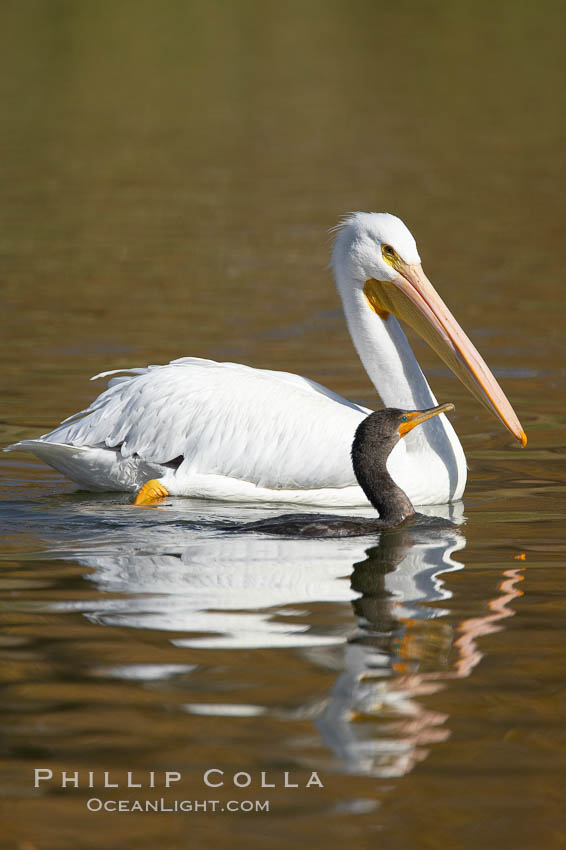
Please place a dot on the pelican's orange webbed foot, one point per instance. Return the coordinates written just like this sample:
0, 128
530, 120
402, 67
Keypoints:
152, 491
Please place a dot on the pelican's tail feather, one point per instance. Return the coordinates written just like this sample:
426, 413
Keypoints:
99, 469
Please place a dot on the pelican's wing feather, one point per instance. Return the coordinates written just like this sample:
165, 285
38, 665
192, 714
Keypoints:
273, 429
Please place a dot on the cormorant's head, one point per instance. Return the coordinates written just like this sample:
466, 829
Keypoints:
383, 429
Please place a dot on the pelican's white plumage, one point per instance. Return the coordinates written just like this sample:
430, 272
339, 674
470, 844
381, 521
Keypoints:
227, 431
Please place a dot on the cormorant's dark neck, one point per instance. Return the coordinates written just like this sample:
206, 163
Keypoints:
369, 458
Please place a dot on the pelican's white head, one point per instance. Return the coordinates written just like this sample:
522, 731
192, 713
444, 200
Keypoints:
378, 273
365, 245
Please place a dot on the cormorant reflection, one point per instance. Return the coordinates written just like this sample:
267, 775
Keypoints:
403, 649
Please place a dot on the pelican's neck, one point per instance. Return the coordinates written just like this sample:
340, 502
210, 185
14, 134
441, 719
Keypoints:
385, 353
435, 451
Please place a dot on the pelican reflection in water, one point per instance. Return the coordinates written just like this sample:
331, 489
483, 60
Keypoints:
255, 592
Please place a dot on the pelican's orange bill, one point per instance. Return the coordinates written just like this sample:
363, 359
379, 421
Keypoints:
412, 298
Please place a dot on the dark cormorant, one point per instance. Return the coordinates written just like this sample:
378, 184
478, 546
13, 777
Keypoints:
374, 440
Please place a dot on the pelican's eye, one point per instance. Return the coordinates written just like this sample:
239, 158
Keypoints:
403, 419
389, 253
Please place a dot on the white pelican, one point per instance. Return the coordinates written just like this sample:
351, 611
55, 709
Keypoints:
226, 431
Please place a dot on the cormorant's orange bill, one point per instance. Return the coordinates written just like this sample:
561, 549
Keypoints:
415, 417
412, 298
